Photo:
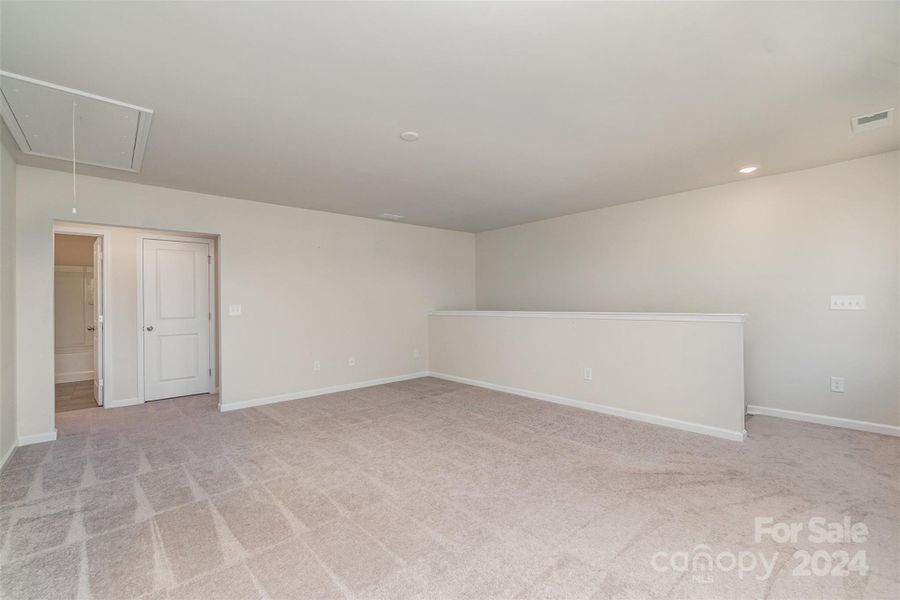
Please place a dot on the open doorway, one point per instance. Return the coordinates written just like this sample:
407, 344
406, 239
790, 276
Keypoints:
78, 321
147, 325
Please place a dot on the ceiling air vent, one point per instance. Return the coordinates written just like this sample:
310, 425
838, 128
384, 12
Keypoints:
108, 133
872, 121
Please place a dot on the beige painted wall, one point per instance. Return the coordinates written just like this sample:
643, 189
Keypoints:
7, 302
774, 247
312, 285
683, 374
74, 251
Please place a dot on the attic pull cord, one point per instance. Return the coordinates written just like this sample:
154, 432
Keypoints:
74, 193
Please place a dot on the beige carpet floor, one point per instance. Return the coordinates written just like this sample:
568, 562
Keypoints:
429, 489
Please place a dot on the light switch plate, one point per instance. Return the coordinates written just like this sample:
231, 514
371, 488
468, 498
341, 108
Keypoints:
848, 303
234, 310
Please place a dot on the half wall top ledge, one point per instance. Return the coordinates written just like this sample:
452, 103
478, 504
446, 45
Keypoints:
602, 316
52, 121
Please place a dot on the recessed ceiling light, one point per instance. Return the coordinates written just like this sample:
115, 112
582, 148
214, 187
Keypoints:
391, 216
748, 169
409, 136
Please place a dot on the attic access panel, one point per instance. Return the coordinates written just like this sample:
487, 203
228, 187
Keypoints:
108, 133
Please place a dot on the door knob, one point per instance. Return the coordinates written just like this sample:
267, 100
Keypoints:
149, 327
91, 328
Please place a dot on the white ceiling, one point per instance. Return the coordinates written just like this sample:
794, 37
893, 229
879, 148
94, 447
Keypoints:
525, 110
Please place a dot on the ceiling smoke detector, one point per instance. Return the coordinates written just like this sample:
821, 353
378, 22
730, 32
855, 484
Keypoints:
874, 120
409, 136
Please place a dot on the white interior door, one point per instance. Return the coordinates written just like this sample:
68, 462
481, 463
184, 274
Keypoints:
96, 297
176, 319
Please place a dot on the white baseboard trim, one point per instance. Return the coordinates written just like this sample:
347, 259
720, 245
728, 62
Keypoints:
37, 438
318, 392
824, 420
725, 434
73, 376
123, 402
9, 453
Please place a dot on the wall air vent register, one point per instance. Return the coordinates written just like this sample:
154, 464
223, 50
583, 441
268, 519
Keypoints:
875, 120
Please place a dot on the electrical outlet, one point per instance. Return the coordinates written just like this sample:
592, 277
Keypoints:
848, 303
351, 361
234, 310
317, 366
415, 353
837, 385
588, 374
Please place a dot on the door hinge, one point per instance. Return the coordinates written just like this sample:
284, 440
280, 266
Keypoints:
208, 259
100, 383
210, 316
210, 371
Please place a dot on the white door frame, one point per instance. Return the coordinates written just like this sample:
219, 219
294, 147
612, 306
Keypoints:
89, 231
213, 293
